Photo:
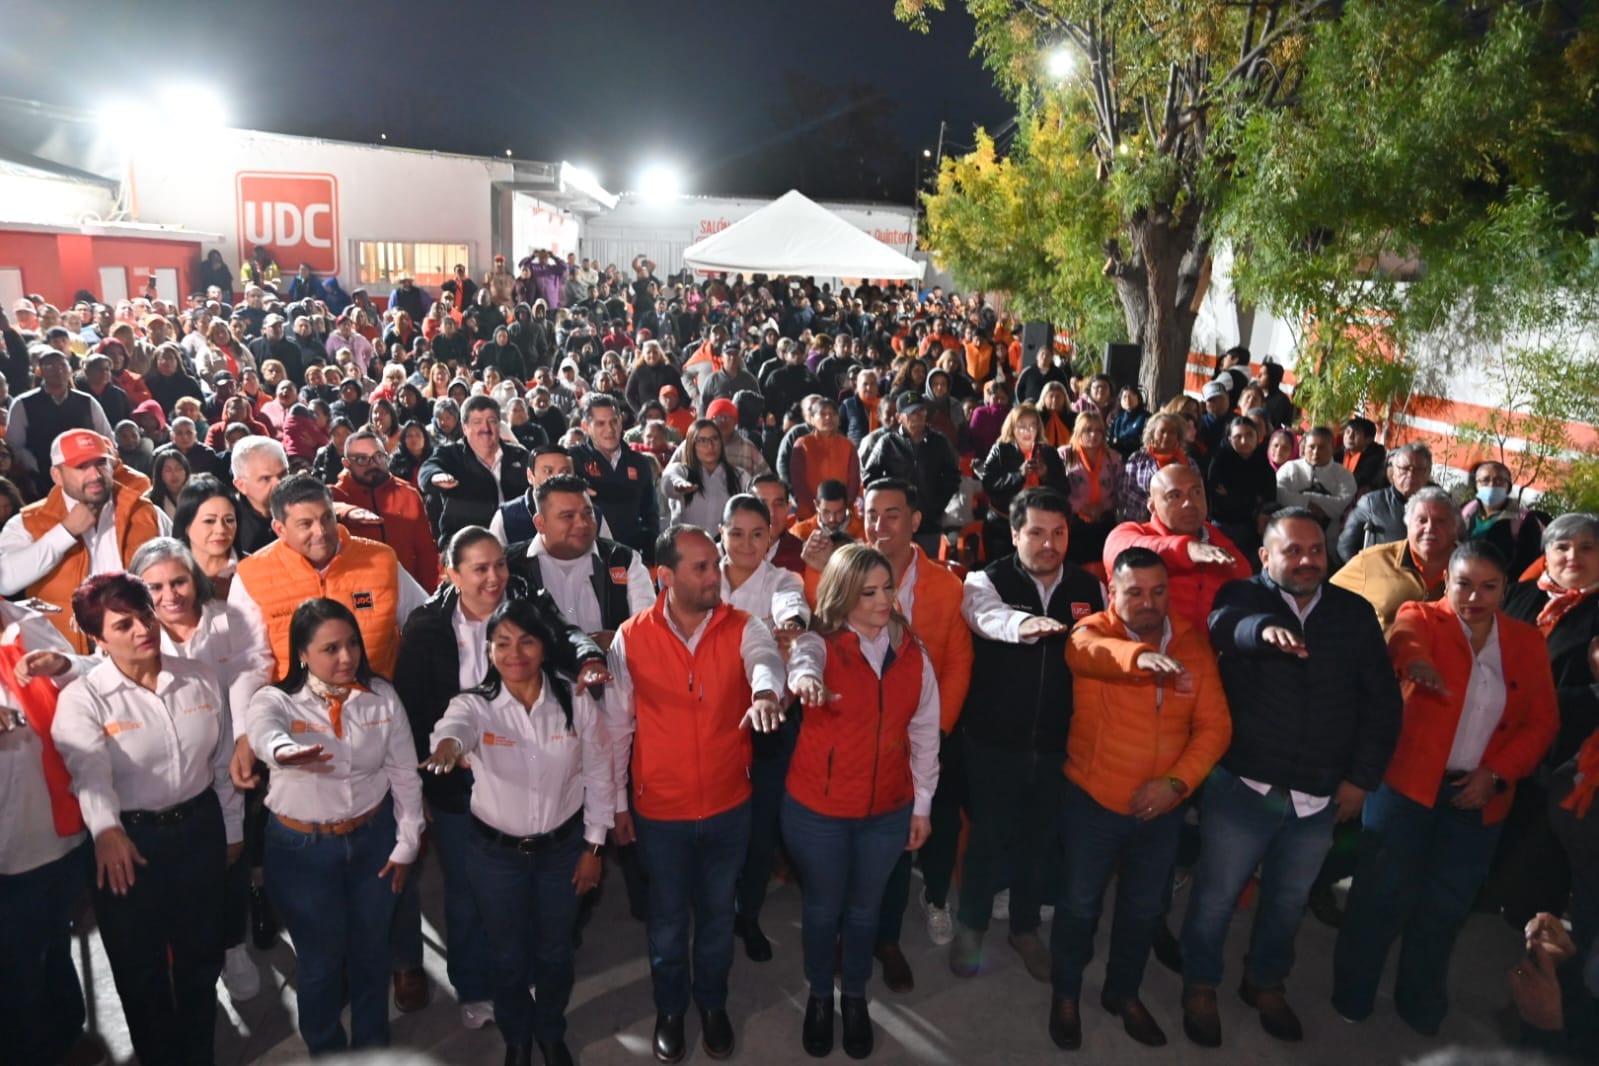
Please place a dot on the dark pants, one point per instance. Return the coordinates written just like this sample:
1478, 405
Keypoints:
937, 854
468, 956
338, 913
1243, 830
1101, 842
41, 1001
1015, 799
693, 872
236, 883
1419, 871
164, 938
529, 908
768, 771
405, 928
845, 863
1530, 870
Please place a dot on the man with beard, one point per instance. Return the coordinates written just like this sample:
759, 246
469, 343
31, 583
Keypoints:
1316, 711
375, 504
90, 523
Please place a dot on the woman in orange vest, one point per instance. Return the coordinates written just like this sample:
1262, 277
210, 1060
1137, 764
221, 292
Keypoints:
1480, 712
861, 782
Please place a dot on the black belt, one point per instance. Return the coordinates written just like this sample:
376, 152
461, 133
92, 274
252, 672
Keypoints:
534, 844
170, 816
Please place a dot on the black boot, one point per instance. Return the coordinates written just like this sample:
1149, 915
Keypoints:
555, 1054
519, 1055
756, 946
716, 1032
817, 1036
1167, 949
669, 1037
263, 920
857, 1026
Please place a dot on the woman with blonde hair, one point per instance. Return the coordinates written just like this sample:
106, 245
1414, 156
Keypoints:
1093, 475
1054, 407
860, 784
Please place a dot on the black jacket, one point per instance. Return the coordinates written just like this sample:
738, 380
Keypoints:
1003, 477
626, 492
1306, 724
475, 497
1377, 518
1568, 655
609, 559
1021, 694
427, 674
931, 466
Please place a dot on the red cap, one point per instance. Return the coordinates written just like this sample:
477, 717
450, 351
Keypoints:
722, 406
78, 446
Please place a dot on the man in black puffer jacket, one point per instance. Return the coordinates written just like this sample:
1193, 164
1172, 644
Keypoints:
1316, 712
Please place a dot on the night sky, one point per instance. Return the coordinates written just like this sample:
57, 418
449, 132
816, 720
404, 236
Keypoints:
754, 97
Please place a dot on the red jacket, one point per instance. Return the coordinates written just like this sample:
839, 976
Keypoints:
853, 756
1432, 632
1193, 587
691, 758
403, 523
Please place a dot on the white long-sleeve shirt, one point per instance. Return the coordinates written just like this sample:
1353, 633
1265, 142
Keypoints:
772, 594
989, 616
131, 749
570, 584
24, 560
17, 430
373, 758
1328, 490
808, 658
223, 642
530, 773
763, 669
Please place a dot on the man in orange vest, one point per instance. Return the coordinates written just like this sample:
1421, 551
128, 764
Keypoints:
92, 522
691, 676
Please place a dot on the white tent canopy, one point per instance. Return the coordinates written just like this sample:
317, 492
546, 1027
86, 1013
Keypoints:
795, 235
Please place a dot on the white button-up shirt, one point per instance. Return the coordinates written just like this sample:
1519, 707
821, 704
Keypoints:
1484, 704
373, 758
24, 560
222, 642
1304, 803
471, 642
808, 658
772, 594
989, 616
530, 773
131, 749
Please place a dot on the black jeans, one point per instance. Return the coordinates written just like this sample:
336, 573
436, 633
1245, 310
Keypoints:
164, 938
1015, 806
768, 773
41, 1001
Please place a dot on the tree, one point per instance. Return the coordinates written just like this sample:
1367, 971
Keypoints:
1326, 142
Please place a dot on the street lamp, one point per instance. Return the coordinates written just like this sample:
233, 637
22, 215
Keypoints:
659, 183
1060, 63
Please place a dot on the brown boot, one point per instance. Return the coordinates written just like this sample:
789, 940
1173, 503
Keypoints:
1065, 1024
1136, 1019
1276, 1016
411, 992
1201, 1020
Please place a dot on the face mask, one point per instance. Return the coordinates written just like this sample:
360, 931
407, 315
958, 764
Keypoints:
1492, 496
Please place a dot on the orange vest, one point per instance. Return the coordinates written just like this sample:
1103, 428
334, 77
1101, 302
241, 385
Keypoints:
852, 759
691, 759
364, 576
135, 523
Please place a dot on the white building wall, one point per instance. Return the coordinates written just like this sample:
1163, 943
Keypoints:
40, 198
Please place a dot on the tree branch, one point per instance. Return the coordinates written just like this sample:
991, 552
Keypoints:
1246, 62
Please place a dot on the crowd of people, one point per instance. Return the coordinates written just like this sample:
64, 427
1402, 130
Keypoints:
707, 580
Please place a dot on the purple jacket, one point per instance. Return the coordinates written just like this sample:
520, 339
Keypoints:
987, 421
550, 278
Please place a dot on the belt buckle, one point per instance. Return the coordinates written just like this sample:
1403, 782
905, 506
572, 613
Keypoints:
530, 845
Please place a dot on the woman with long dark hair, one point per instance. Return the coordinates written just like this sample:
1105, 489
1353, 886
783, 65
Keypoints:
414, 449
860, 785
346, 821
540, 809
698, 488
169, 474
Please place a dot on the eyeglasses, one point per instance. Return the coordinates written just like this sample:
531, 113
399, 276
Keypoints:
367, 460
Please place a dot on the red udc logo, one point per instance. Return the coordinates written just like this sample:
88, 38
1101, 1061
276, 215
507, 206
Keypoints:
296, 216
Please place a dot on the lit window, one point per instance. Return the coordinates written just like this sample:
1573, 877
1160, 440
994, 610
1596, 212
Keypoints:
430, 264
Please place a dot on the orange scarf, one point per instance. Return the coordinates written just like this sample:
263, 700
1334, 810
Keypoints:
1560, 602
1093, 467
335, 698
1165, 459
1351, 460
1031, 480
1587, 786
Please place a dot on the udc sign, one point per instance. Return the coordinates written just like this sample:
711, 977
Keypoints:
294, 215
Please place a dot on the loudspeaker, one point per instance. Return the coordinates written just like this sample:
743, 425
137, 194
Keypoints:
1122, 361
1036, 335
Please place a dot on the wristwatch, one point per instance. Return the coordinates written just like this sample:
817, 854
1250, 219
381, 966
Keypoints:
597, 850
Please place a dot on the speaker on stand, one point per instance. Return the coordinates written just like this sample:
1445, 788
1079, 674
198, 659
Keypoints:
1122, 362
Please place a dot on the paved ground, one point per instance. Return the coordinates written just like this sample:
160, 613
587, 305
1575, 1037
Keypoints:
998, 1017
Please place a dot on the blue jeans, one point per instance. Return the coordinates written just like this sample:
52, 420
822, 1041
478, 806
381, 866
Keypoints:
693, 870
845, 863
1418, 872
470, 962
164, 938
1101, 842
1242, 829
41, 1001
1015, 835
529, 908
338, 911
768, 771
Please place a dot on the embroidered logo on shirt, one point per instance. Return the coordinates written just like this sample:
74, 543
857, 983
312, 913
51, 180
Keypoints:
618, 575
362, 601
632, 473
495, 740
301, 726
1081, 611
113, 728
591, 469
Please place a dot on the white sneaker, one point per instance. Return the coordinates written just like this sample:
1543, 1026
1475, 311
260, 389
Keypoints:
1001, 911
477, 1015
940, 923
1046, 913
239, 975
